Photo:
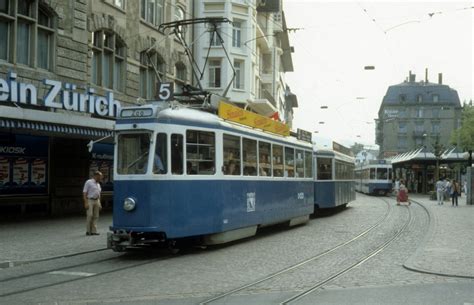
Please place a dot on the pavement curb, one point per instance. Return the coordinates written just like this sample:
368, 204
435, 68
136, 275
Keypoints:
410, 263
11, 264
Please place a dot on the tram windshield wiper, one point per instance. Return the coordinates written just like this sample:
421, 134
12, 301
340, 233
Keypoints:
134, 162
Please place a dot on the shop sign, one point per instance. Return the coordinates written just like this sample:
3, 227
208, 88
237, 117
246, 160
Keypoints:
59, 96
236, 114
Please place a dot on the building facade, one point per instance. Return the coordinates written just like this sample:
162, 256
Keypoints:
259, 51
66, 67
416, 114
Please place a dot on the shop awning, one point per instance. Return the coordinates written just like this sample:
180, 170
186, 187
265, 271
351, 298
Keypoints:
54, 128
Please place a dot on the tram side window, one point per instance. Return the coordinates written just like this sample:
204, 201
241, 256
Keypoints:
390, 174
200, 152
277, 159
372, 174
264, 161
133, 152
289, 162
231, 155
177, 154
249, 157
160, 164
308, 164
324, 168
382, 173
299, 160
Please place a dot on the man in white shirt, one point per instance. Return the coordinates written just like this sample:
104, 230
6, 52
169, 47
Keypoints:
440, 188
91, 195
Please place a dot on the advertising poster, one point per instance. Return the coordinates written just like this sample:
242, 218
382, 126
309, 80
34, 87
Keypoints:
4, 171
38, 172
20, 171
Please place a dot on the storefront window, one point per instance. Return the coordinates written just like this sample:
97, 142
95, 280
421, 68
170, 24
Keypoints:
133, 152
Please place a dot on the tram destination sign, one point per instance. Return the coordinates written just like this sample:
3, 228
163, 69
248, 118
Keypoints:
304, 135
58, 95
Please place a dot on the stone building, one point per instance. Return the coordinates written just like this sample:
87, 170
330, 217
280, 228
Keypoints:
415, 114
259, 50
65, 69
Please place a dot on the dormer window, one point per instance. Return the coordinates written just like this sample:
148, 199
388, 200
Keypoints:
402, 98
419, 98
435, 98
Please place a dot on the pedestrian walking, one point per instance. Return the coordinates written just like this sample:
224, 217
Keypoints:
91, 194
455, 190
402, 198
440, 187
447, 188
396, 187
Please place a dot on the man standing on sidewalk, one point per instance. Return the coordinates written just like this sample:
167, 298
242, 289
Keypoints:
91, 194
440, 189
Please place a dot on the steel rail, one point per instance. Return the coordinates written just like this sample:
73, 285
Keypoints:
297, 265
351, 267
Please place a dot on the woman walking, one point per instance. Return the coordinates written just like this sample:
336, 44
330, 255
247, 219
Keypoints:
455, 191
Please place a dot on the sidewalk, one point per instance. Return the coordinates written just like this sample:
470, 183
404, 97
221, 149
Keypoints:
448, 247
31, 240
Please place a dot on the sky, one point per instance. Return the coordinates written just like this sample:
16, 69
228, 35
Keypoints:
337, 39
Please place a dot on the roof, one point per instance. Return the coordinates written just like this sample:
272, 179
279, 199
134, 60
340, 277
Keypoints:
412, 90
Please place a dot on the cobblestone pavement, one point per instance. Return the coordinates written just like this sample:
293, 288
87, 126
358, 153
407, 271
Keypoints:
198, 274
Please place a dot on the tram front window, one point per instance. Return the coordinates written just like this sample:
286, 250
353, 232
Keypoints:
382, 173
132, 153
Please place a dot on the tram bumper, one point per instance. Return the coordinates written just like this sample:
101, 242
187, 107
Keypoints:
120, 240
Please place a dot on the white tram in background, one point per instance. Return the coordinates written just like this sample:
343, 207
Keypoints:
374, 177
334, 183
182, 173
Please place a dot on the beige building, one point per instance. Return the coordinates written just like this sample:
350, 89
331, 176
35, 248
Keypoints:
65, 69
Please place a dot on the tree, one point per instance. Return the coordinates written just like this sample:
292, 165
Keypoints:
464, 136
356, 148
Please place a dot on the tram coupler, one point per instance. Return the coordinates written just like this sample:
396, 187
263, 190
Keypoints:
119, 240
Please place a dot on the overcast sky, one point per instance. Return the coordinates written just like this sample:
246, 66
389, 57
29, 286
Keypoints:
339, 38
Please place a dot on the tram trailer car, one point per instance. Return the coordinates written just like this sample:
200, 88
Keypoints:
334, 183
374, 177
186, 173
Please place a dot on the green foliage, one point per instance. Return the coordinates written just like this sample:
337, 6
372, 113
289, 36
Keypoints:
464, 136
356, 148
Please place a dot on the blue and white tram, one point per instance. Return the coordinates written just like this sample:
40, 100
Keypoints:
374, 177
185, 173
334, 183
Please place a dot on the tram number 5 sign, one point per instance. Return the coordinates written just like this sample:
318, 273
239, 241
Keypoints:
165, 92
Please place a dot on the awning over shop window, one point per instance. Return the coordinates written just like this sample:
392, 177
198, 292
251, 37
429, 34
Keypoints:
54, 128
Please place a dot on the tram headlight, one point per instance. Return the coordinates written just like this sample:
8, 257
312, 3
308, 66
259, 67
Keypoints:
129, 204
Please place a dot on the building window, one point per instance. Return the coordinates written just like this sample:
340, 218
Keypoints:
236, 34
402, 98
435, 127
419, 127
215, 73
31, 37
239, 74
118, 3
178, 13
108, 60
402, 127
435, 113
435, 98
180, 71
152, 11
214, 40
402, 143
419, 113
419, 98
148, 74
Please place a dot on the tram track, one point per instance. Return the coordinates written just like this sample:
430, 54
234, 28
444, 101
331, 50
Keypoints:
52, 277
304, 262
